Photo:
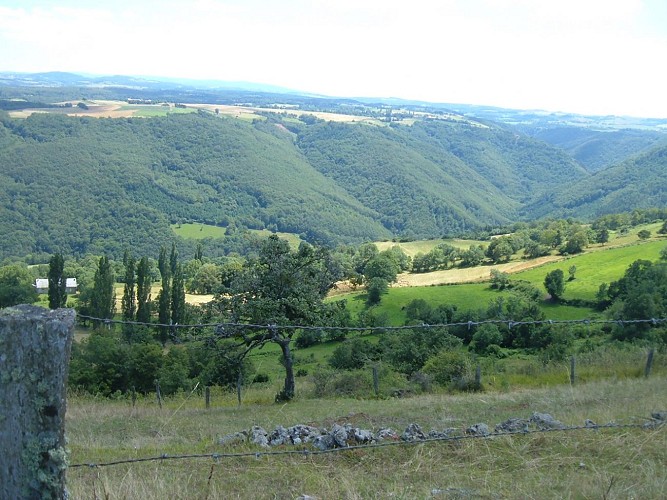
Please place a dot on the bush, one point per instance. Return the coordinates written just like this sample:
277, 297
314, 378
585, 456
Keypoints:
353, 354
260, 378
486, 336
450, 367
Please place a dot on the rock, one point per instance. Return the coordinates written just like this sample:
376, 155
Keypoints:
324, 442
303, 433
480, 429
413, 432
362, 436
279, 436
386, 434
544, 421
589, 423
237, 437
259, 436
339, 435
445, 433
659, 415
513, 425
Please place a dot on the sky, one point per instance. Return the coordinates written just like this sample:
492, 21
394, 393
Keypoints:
599, 57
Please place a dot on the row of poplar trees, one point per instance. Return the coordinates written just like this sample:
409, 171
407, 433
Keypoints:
136, 304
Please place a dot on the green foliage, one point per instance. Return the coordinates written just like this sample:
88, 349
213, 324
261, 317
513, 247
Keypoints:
451, 368
499, 279
143, 291
16, 286
644, 234
554, 282
375, 289
485, 337
57, 282
354, 354
103, 298
408, 350
640, 294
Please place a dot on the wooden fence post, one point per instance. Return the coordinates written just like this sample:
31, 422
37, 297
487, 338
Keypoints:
478, 377
649, 363
35, 346
207, 396
573, 366
158, 393
376, 381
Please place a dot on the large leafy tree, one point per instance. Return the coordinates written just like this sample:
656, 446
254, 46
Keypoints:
278, 287
16, 286
554, 282
57, 282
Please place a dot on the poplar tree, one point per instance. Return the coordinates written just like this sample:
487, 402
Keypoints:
128, 302
178, 296
57, 282
143, 291
103, 299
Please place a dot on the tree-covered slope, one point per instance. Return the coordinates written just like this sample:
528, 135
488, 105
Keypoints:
79, 185
640, 182
86, 185
597, 150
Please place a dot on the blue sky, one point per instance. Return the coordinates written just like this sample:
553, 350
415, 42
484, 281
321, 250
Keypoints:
587, 56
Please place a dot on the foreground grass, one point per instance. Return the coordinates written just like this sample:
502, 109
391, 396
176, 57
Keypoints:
613, 463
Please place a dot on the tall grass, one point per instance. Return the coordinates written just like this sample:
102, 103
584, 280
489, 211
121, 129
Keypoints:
613, 463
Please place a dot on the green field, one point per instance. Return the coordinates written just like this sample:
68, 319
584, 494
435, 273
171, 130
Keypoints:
148, 111
412, 248
198, 231
594, 268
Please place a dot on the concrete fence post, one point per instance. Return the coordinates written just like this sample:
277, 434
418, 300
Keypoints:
35, 346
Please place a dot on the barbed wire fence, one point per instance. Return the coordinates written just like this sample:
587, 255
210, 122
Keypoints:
653, 424
229, 329
240, 334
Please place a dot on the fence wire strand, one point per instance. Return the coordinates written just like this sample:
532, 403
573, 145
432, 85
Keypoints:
649, 425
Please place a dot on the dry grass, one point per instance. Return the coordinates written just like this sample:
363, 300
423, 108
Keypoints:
471, 274
613, 463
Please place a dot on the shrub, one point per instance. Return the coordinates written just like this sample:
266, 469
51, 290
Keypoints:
449, 367
353, 354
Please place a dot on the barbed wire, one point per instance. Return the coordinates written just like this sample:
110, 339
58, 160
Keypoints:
221, 326
649, 425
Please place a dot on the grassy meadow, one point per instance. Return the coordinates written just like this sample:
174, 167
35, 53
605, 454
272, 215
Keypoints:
607, 463
197, 231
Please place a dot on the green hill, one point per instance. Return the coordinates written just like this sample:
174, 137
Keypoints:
597, 150
80, 185
640, 182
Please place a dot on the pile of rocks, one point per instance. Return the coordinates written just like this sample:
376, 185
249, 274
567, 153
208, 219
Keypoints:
342, 436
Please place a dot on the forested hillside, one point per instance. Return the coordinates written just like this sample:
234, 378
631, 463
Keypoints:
78, 185
597, 150
640, 182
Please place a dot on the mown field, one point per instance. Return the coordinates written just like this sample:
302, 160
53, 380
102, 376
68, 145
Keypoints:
198, 231
606, 463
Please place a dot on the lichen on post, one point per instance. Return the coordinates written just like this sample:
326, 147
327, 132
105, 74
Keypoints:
35, 346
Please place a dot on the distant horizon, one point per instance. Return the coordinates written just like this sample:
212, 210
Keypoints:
587, 57
284, 90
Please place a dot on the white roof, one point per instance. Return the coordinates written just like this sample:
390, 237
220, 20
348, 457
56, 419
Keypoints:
44, 283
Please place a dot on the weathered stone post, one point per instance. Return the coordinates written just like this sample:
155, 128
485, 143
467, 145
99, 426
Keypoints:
35, 346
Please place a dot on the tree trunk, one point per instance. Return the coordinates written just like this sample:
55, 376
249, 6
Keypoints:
288, 391
35, 348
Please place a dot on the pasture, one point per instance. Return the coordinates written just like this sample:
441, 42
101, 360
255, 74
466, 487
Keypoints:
606, 463
199, 231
